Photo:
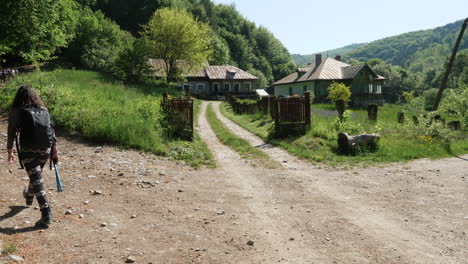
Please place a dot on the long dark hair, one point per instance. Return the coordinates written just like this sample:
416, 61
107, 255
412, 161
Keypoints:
26, 95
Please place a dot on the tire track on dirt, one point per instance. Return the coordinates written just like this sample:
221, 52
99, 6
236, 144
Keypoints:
376, 223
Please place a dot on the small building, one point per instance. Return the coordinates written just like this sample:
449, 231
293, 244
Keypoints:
365, 84
213, 80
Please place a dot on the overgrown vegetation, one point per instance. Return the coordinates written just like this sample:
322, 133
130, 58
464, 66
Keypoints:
236, 143
398, 142
107, 111
92, 34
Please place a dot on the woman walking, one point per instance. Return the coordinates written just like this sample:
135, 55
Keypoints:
30, 118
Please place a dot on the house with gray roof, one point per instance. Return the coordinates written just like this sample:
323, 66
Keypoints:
365, 84
212, 80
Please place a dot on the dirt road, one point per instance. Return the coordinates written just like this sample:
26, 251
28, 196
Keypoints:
158, 211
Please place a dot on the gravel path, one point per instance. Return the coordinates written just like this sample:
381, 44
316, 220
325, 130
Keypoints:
159, 211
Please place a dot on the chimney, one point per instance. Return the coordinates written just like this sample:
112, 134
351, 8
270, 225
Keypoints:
318, 59
338, 57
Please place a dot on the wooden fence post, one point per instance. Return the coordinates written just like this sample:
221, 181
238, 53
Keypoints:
401, 117
271, 108
372, 110
276, 112
307, 108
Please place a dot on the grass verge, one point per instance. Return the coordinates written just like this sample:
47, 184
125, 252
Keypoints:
107, 111
236, 143
398, 142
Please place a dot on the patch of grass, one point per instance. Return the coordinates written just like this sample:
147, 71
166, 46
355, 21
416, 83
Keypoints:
236, 143
8, 249
107, 111
398, 142
258, 124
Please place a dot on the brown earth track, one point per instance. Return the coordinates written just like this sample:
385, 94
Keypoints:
403, 213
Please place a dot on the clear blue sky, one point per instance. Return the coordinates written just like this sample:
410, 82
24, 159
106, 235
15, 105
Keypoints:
308, 26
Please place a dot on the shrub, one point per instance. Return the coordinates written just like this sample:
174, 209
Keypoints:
132, 62
173, 123
339, 91
98, 41
455, 103
428, 128
347, 124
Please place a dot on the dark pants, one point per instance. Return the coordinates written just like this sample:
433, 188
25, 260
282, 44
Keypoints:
34, 162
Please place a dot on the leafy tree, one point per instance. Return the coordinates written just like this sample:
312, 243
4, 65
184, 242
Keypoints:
132, 62
220, 55
98, 41
262, 82
35, 29
176, 37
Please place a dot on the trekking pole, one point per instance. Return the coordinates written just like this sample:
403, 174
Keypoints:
57, 174
57, 178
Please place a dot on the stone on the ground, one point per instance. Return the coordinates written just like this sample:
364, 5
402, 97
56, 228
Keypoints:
250, 243
81, 216
130, 259
103, 224
15, 259
69, 212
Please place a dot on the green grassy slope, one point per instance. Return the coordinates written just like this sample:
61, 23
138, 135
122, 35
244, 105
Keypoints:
106, 111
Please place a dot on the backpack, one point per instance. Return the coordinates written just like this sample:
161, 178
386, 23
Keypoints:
35, 128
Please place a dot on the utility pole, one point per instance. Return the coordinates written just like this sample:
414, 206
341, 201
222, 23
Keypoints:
443, 85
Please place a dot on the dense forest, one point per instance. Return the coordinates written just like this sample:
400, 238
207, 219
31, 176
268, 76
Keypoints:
303, 60
418, 51
92, 33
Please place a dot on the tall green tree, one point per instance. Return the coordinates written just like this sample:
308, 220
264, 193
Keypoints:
98, 41
132, 62
35, 29
176, 37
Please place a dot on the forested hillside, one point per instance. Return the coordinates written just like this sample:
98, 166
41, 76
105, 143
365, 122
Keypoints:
302, 60
92, 33
418, 51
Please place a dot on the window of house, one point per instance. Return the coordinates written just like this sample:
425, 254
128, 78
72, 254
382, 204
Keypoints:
215, 87
236, 87
290, 91
187, 87
379, 89
227, 87
370, 88
304, 89
248, 86
200, 86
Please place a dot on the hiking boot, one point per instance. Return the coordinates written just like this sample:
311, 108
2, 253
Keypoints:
29, 198
45, 220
